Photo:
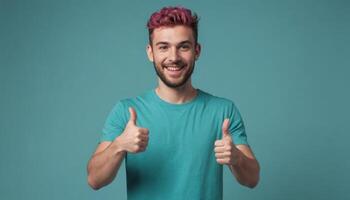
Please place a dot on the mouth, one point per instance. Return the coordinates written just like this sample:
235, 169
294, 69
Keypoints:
175, 68
174, 71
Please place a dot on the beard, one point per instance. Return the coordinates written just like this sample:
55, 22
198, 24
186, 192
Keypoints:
169, 83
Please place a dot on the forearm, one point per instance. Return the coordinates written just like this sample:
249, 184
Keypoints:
103, 166
246, 170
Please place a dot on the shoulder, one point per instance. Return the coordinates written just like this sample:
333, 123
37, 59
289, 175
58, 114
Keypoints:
135, 101
136, 98
218, 100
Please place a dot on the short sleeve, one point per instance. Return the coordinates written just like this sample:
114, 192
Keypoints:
115, 123
237, 128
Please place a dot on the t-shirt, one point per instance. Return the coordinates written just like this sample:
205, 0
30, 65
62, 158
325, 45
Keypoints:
179, 161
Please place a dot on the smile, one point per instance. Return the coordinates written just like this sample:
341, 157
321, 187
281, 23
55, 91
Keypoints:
174, 72
174, 68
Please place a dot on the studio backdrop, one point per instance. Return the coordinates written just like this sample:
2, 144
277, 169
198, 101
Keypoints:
285, 64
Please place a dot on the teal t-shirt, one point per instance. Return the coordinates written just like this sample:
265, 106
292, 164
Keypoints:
179, 161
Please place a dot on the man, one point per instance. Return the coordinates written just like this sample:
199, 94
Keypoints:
175, 139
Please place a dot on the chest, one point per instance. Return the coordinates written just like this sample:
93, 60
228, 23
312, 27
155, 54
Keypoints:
181, 134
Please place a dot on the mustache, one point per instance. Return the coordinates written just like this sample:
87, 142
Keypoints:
174, 64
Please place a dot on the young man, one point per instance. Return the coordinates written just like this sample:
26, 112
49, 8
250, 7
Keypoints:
175, 139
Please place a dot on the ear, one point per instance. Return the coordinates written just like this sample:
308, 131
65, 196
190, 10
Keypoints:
149, 51
197, 50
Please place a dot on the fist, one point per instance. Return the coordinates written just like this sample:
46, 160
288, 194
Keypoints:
134, 139
225, 150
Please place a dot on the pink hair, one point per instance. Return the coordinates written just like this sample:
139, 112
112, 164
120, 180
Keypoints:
171, 16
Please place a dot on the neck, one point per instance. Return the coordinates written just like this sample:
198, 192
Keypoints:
177, 95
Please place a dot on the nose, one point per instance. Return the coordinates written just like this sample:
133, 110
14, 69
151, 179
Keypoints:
173, 55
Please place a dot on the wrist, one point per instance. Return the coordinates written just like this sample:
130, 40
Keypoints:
116, 147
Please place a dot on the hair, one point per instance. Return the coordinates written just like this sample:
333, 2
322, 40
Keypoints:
172, 16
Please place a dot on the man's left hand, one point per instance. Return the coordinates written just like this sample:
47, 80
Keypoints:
225, 150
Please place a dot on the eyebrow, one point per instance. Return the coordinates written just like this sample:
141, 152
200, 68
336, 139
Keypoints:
160, 43
185, 42
166, 43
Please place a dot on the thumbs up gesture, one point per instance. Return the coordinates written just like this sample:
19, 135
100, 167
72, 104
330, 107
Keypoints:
225, 150
134, 139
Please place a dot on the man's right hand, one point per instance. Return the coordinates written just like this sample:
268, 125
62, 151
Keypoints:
133, 139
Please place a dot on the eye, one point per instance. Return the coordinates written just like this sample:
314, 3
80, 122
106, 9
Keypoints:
185, 47
163, 47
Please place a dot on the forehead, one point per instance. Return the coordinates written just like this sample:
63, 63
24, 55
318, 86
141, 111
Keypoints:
175, 34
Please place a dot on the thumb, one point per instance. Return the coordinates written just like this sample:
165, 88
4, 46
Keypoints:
225, 126
133, 116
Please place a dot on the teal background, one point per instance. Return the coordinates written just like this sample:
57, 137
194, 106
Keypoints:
65, 63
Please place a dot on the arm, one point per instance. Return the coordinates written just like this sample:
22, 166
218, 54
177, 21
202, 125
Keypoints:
104, 164
246, 169
239, 158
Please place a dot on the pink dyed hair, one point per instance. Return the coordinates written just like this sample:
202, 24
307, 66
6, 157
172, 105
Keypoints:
171, 16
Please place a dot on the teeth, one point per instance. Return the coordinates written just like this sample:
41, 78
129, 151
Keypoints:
174, 68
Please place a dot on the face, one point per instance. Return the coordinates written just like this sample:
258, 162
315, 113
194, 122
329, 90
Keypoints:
173, 52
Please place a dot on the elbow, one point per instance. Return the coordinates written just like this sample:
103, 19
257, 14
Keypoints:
92, 183
255, 178
252, 185
253, 182
249, 183
90, 180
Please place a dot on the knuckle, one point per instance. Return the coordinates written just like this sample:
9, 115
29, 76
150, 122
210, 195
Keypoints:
139, 137
137, 140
